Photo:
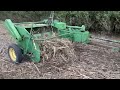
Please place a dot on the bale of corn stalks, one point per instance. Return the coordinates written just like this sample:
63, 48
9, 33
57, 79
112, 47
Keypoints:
58, 51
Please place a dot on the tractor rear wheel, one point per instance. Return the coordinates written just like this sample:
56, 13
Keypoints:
15, 53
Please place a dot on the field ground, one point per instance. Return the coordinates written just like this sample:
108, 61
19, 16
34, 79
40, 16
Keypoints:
94, 62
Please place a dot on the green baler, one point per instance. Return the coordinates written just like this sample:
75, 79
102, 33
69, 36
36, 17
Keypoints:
27, 40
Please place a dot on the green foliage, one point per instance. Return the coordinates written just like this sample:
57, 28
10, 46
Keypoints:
96, 21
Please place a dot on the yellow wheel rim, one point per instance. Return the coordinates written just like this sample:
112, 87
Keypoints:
12, 54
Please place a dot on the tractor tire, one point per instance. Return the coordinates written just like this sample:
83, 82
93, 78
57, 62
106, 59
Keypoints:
15, 53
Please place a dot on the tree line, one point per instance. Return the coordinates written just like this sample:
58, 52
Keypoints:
95, 21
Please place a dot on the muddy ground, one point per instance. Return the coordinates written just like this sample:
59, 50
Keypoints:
94, 62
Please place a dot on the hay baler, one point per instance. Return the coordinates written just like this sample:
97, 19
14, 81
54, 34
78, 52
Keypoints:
27, 38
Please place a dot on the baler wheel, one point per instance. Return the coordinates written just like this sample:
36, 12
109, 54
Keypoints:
15, 53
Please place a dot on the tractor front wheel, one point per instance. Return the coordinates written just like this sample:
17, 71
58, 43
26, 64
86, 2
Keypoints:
15, 53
